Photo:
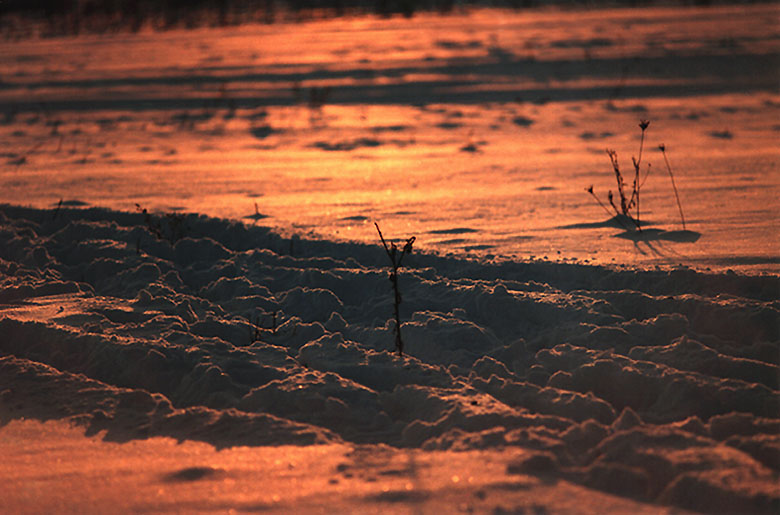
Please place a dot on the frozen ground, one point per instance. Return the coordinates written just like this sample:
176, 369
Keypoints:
654, 386
478, 133
242, 358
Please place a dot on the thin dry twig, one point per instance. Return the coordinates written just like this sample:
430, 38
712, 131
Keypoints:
662, 147
396, 259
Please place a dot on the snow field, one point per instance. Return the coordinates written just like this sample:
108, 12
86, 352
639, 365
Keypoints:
658, 385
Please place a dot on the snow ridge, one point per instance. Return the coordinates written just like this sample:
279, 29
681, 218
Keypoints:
660, 385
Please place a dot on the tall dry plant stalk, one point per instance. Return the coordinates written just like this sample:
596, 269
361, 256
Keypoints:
396, 259
631, 202
662, 147
627, 202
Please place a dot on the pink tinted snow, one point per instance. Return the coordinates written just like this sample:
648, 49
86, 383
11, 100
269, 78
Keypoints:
490, 121
531, 380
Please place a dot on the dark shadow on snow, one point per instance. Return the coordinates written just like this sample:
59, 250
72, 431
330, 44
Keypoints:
457, 230
618, 222
646, 235
189, 474
464, 83
630, 231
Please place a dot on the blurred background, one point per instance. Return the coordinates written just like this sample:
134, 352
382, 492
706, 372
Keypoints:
69, 17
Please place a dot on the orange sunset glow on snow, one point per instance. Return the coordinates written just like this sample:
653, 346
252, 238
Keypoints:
394, 258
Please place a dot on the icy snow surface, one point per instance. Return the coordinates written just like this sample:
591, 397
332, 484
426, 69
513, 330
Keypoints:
661, 386
477, 132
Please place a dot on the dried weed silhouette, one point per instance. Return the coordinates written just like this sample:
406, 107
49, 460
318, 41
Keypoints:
627, 206
169, 227
396, 258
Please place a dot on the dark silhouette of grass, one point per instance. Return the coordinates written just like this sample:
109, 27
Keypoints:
257, 214
628, 214
662, 147
57, 210
396, 259
169, 227
629, 203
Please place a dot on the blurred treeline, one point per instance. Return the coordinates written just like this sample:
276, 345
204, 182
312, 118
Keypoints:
57, 17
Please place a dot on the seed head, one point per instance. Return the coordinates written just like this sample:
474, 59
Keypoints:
644, 124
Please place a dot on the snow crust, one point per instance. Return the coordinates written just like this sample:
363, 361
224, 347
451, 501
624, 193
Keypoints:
656, 385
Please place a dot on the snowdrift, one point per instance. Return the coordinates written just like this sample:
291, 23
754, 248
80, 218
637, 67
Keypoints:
658, 385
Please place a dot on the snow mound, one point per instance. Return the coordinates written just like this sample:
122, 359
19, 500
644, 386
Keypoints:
660, 385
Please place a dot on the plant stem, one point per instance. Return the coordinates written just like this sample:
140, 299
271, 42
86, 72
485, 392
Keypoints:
641, 146
638, 227
674, 186
606, 209
399, 343
395, 262
603, 206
